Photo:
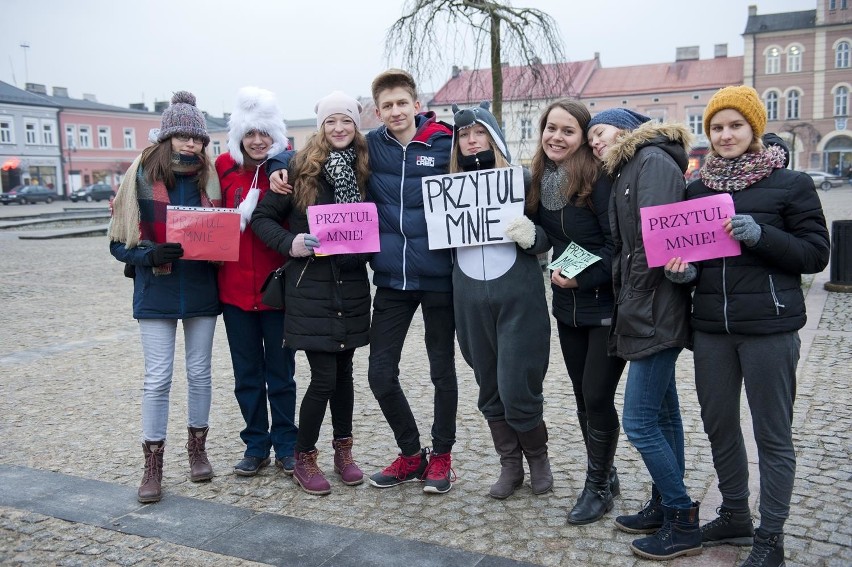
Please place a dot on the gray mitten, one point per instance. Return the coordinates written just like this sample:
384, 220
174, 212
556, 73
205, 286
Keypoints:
686, 276
522, 231
745, 229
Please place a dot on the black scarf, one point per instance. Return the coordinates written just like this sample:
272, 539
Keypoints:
340, 173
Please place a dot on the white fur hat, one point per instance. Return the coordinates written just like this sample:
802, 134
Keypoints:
256, 109
338, 102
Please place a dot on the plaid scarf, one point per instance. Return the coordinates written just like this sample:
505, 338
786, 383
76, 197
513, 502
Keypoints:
139, 207
339, 172
729, 175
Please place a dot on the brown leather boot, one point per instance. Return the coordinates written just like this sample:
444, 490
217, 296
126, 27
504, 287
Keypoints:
199, 466
150, 489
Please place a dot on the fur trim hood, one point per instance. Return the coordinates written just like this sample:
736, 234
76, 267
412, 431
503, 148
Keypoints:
256, 109
673, 138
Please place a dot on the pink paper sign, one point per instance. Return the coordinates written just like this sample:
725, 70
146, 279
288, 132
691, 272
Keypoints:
205, 233
689, 229
345, 229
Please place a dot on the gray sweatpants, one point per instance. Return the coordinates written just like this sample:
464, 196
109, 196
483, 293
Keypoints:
767, 366
503, 330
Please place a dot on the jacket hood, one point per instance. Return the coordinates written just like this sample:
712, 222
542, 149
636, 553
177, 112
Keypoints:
674, 139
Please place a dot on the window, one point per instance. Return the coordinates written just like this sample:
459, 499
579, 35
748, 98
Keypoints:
526, 128
773, 61
792, 105
841, 55
832, 4
129, 139
217, 148
31, 132
772, 106
70, 136
794, 59
841, 101
47, 130
85, 136
103, 137
6, 133
696, 124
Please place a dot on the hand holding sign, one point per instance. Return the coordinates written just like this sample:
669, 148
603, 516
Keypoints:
349, 228
573, 260
693, 230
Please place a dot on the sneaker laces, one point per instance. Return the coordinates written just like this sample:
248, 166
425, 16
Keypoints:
439, 467
402, 465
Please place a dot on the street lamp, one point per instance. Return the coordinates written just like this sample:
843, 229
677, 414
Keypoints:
70, 150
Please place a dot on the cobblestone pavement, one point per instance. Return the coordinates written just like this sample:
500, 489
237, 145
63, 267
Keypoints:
70, 389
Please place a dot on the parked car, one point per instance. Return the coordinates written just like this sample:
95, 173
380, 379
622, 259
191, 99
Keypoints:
28, 194
825, 180
94, 192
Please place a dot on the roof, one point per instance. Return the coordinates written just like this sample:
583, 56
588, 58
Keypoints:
692, 75
13, 95
560, 79
82, 104
780, 22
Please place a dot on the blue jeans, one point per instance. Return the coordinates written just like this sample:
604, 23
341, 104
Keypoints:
263, 370
158, 349
651, 420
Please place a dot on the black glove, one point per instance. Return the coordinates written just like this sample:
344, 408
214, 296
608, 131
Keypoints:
165, 253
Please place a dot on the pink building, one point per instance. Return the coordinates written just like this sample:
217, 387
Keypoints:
98, 141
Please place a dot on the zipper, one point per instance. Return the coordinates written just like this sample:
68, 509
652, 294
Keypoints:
725, 295
574, 314
775, 297
308, 263
401, 213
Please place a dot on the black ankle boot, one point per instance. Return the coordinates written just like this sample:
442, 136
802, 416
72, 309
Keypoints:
648, 520
680, 535
596, 498
768, 550
732, 527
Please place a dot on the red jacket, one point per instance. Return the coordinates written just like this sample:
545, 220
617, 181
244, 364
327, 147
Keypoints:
239, 282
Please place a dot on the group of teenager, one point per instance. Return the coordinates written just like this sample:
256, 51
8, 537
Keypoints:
587, 182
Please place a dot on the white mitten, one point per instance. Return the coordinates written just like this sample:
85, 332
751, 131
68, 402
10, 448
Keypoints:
522, 231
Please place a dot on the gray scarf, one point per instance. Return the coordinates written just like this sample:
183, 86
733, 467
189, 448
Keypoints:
552, 182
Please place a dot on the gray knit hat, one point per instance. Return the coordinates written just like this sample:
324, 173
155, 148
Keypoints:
183, 117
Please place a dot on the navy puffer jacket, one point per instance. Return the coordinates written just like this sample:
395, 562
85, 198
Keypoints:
405, 261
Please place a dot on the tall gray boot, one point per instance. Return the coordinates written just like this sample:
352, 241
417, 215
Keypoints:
534, 446
508, 446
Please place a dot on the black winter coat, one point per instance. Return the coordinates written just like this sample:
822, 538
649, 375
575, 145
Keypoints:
591, 303
651, 313
327, 297
760, 291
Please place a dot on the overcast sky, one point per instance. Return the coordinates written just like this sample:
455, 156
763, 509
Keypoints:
141, 51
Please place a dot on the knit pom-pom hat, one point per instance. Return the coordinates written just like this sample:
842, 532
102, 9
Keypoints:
256, 109
744, 100
183, 117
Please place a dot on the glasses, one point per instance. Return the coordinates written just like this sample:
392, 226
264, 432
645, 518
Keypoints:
182, 138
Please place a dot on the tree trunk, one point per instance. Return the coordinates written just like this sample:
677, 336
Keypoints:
496, 71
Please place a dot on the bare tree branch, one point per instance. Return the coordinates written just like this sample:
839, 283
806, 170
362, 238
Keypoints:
432, 31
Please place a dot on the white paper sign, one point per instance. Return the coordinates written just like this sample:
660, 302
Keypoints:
472, 207
574, 260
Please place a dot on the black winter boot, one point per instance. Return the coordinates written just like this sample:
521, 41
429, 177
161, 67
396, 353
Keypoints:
731, 528
614, 483
680, 535
768, 550
508, 446
534, 446
648, 520
596, 498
